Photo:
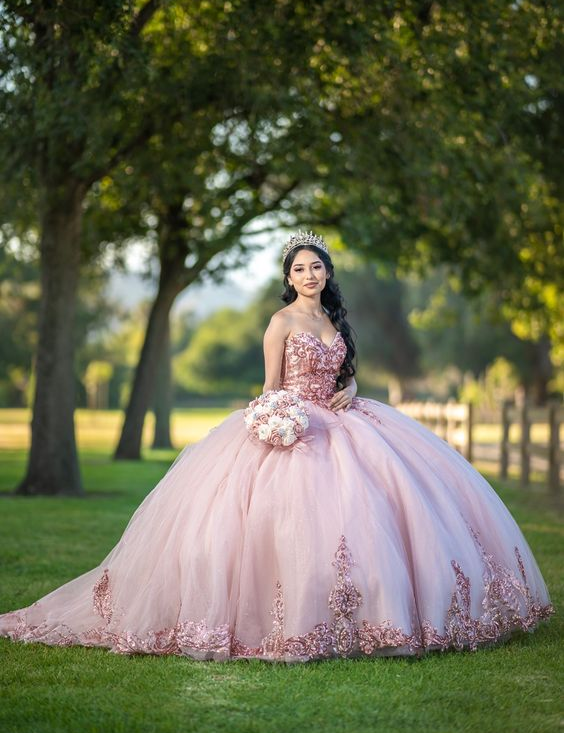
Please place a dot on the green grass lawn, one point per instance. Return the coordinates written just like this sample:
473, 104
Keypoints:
44, 542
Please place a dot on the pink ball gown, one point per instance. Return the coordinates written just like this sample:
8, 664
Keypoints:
373, 537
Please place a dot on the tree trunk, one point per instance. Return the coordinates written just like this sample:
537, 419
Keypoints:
129, 446
162, 404
53, 466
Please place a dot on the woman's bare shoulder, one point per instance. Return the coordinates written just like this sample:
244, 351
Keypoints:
280, 323
284, 315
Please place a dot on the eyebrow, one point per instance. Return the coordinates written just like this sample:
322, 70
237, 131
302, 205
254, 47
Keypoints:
300, 264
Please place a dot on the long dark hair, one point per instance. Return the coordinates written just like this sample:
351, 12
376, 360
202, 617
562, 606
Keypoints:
332, 303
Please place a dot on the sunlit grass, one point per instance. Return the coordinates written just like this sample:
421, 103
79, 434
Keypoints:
101, 428
98, 431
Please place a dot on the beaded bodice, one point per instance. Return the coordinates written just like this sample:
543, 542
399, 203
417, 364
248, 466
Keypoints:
310, 367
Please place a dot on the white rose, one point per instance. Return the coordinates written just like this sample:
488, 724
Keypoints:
264, 431
274, 422
289, 438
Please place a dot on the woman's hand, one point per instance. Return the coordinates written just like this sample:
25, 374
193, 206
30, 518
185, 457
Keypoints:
342, 400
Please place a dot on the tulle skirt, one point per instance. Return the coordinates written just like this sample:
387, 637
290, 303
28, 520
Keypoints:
371, 537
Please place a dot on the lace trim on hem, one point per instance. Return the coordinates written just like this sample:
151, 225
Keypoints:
508, 606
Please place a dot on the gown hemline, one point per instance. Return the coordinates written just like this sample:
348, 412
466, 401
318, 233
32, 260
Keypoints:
344, 638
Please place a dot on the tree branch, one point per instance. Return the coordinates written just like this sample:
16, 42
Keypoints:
143, 17
122, 152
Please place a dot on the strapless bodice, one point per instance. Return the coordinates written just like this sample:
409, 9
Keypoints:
310, 367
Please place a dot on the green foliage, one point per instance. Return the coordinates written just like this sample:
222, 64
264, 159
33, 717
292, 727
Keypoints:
19, 303
377, 309
453, 329
225, 355
19, 308
425, 133
471, 333
498, 384
452, 161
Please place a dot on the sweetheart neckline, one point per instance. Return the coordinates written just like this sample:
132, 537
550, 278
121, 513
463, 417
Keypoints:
307, 333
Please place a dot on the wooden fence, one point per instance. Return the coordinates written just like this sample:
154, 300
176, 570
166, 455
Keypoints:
455, 423
526, 416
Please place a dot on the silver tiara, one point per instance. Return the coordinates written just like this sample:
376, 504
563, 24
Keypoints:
300, 238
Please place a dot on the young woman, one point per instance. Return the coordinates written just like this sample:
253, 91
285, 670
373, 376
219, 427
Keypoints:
369, 537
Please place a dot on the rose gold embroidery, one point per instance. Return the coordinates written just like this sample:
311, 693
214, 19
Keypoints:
316, 644
459, 626
360, 404
508, 605
310, 367
373, 637
344, 599
504, 595
242, 651
429, 638
535, 611
101, 597
163, 641
273, 644
198, 636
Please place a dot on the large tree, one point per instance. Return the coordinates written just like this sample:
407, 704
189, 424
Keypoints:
72, 74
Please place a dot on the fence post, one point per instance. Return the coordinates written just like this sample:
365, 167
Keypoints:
505, 428
553, 448
525, 444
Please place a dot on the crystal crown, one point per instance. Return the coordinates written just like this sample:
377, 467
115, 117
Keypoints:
300, 238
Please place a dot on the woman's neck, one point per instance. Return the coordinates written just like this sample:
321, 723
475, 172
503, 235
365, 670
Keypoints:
310, 307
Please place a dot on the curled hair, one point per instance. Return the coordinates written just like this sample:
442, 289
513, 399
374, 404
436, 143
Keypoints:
332, 303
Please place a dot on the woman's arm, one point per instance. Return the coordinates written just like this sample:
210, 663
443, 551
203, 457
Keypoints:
273, 344
351, 383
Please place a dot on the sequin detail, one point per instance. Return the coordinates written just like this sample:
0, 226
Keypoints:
310, 367
101, 597
344, 599
273, 644
365, 407
508, 605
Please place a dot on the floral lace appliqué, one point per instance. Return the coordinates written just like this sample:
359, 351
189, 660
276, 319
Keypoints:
508, 605
344, 599
101, 598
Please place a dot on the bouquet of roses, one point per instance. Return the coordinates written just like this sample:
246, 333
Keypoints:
277, 417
